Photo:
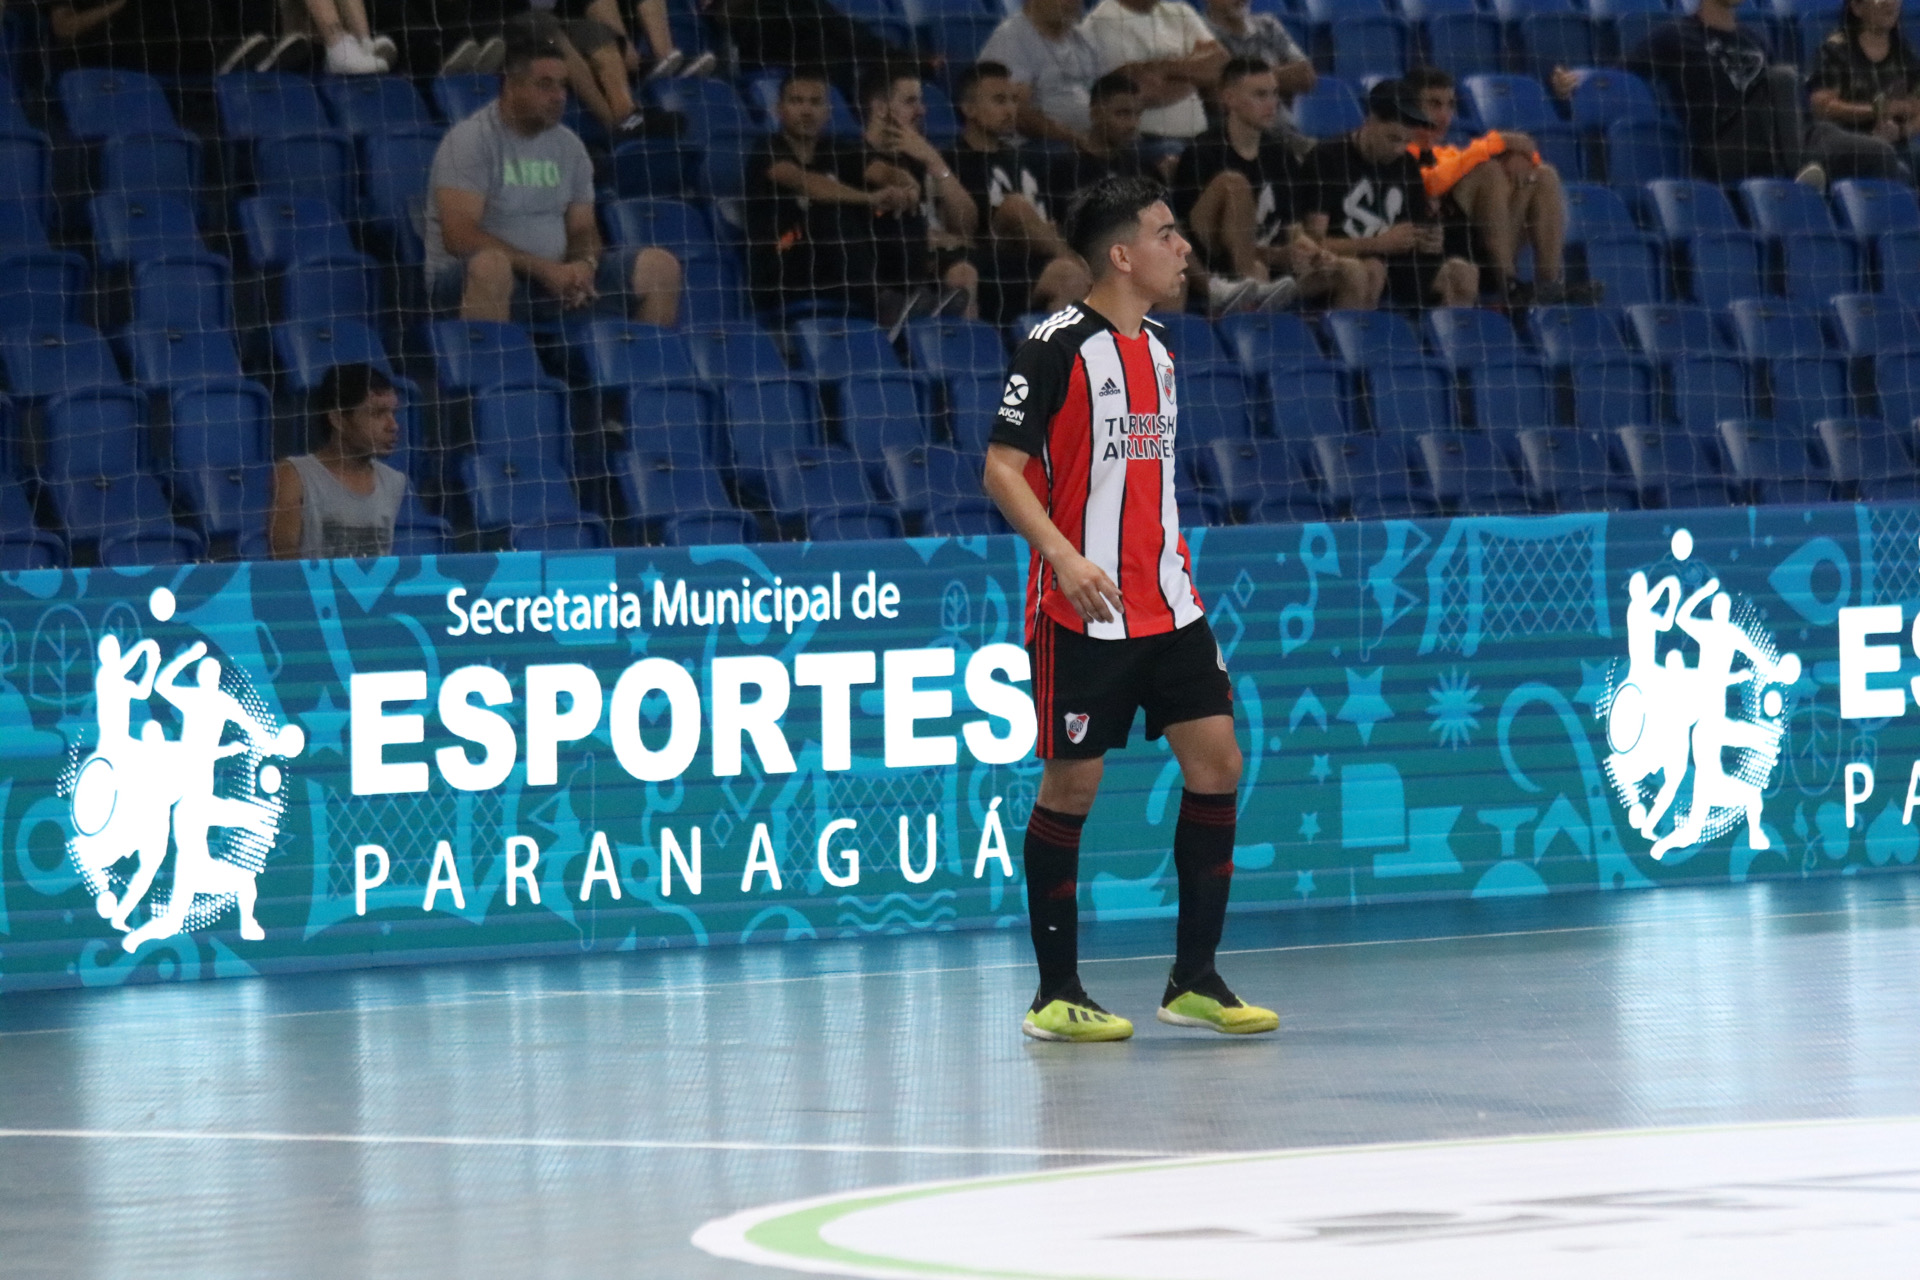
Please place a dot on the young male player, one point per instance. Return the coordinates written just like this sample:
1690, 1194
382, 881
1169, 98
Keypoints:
1081, 463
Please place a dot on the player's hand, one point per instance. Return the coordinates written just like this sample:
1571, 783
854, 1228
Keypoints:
895, 199
1401, 237
1094, 595
573, 281
1563, 82
1431, 238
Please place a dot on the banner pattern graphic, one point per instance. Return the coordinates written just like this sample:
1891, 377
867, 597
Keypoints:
236, 768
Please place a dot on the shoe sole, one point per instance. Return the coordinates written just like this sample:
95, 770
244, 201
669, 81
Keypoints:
1053, 1037
1173, 1019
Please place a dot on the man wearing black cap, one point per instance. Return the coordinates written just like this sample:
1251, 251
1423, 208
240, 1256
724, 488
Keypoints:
1369, 201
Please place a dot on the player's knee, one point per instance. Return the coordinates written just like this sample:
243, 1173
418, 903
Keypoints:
655, 270
963, 275
490, 271
1230, 184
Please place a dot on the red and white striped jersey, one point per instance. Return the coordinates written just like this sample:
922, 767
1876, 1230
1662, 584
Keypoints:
1096, 413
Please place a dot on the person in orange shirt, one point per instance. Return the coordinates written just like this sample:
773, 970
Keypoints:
1498, 192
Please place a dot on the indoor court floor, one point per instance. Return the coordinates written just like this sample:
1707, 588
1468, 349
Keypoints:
586, 1117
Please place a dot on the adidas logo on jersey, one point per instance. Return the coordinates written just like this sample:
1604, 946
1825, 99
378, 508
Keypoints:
1109, 388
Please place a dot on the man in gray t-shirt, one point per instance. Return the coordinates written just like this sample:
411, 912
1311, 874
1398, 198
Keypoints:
511, 232
1053, 67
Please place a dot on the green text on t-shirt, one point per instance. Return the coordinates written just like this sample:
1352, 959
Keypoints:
531, 173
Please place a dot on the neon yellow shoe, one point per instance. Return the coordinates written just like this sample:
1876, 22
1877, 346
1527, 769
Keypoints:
1208, 1003
1071, 1015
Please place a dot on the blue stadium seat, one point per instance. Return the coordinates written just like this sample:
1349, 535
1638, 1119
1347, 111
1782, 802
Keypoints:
1669, 469
26, 167
650, 373
1769, 462
1511, 102
1805, 380
710, 105
1469, 474
972, 401
1508, 382
1768, 328
150, 164
1814, 259
222, 468
1605, 95
1464, 41
1896, 385
710, 529
164, 359
1609, 247
472, 356
186, 293
1365, 45
1864, 461
713, 293
1263, 340
370, 105
41, 287
528, 501
938, 491
1549, 40
1884, 220
1408, 398
763, 417
1704, 377
319, 166
394, 171
305, 350
958, 34
948, 348
836, 347
23, 225
1194, 344
1639, 151
1872, 324
1595, 210
658, 486
1216, 407
670, 419
649, 168
1367, 338
99, 103
129, 230
1719, 259
417, 533
1610, 384
112, 509
23, 544
95, 431
1306, 399
875, 525
458, 96
1467, 336
338, 288
524, 424
281, 230
1664, 331
809, 482
878, 414
1328, 110
727, 354
1258, 481
1804, 390
1571, 471
42, 362
668, 224
255, 105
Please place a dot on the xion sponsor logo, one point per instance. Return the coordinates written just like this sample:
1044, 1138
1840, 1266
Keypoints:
1016, 392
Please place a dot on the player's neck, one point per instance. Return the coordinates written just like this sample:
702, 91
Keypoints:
1115, 298
1244, 137
334, 457
978, 139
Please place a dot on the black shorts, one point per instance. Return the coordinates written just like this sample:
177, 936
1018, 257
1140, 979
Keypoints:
1085, 690
1410, 279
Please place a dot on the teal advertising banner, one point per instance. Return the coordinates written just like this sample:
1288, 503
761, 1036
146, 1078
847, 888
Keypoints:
242, 768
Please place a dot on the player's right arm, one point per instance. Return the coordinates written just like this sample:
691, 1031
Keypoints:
283, 522
1085, 584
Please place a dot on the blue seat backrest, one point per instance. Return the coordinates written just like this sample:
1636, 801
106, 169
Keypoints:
256, 105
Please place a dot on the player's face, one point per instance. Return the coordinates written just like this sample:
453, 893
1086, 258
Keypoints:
905, 107
1116, 120
1157, 254
991, 107
372, 429
1439, 105
537, 97
803, 108
1253, 100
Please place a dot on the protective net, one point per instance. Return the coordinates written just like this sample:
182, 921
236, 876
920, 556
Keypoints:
767, 281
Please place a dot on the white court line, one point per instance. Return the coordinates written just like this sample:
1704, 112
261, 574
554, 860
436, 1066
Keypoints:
576, 1144
489, 997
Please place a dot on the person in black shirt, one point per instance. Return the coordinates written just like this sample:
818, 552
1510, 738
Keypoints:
1024, 261
922, 250
1741, 114
1238, 188
1371, 202
1111, 145
1866, 84
807, 204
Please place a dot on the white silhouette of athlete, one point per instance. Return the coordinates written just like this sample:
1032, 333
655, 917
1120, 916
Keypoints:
205, 711
1649, 719
114, 814
1720, 641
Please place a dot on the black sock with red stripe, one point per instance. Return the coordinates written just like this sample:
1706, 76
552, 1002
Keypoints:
1203, 857
1052, 860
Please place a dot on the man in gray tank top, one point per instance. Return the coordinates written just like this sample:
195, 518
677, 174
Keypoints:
341, 500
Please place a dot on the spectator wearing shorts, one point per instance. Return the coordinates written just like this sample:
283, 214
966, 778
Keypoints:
341, 499
1025, 263
1239, 189
1370, 201
511, 232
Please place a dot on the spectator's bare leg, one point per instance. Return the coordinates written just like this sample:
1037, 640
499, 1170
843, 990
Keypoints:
656, 283
1486, 196
586, 87
1017, 219
327, 19
1358, 283
1457, 283
1064, 281
610, 76
1223, 221
965, 277
1540, 207
489, 291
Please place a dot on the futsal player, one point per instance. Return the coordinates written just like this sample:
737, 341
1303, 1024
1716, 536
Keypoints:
1081, 462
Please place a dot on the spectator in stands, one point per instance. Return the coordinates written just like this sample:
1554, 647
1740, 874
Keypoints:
511, 232
341, 499
1111, 146
650, 16
790, 33
1052, 66
1499, 191
1238, 188
923, 250
1741, 114
806, 200
1260, 35
1171, 54
596, 62
1866, 83
187, 37
1370, 202
341, 28
1024, 261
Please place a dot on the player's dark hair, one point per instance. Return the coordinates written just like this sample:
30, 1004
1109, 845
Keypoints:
1112, 85
1107, 212
974, 74
344, 388
522, 54
1238, 69
805, 75
1423, 78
